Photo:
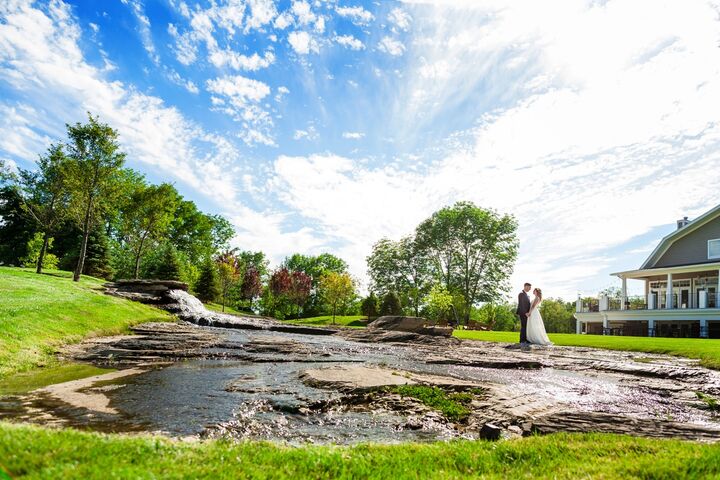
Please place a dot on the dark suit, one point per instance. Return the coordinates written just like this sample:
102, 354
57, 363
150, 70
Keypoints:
522, 310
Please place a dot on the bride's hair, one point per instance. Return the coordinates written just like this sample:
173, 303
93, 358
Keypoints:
538, 292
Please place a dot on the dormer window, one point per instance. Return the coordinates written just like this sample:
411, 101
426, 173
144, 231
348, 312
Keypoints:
714, 248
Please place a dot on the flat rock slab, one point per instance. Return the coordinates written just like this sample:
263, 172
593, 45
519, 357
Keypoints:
361, 378
419, 325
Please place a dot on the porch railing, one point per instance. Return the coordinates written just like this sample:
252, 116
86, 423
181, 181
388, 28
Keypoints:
696, 300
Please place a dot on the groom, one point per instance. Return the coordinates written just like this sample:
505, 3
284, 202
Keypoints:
522, 312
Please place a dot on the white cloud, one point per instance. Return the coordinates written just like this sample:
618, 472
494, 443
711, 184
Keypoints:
236, 61
262, 12
353, 135
302, 43
41, 61
188, 85
391, 46
357, 15
144, 29
283, 21
94, 26
302, 11
281, 92
400, 18
310, 134
348, 41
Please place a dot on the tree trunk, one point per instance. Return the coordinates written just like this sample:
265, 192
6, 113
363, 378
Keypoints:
334, 308
43, 249
83, 245
137, 258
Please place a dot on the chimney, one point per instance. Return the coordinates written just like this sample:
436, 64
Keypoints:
682, 222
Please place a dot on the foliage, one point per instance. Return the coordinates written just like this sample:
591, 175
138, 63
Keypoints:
390, 305
168, 267
473, 251
299, 291
45, 198
35, 248
706, 350
401, 267
147, 217
251, 286
40, 312
315, 267
354, 321
228, 267
93, 173
17, 228
369, 306
207, 288
497, 316
711, 402
338, 290
453, 406
558, 315
439, 302
98, 261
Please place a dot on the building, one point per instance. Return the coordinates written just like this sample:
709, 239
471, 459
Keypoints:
682, 294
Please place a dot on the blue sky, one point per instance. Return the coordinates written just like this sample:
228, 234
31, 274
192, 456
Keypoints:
325, 125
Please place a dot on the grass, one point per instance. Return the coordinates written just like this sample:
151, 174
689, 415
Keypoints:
452, 405
34, 453
711, 402
38, 313
705, 350
356, 321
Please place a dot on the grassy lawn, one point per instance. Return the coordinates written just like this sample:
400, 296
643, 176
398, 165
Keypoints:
40, 312
707, 351
34, 452
357, 321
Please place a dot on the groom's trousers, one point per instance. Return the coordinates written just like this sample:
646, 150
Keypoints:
523, 328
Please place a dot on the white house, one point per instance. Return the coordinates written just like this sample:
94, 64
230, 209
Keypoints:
682, 293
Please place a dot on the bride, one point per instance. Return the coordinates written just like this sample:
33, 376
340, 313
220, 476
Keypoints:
535, 326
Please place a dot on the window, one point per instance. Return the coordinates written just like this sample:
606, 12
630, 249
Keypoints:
714, 248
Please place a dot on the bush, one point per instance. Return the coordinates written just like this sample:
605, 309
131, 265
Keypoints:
369, 306
390, 305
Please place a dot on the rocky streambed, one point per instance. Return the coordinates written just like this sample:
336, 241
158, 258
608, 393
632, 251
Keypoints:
215, 375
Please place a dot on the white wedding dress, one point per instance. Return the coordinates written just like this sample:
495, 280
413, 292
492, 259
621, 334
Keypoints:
536, 329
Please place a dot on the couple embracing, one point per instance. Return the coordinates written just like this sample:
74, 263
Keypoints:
532, 328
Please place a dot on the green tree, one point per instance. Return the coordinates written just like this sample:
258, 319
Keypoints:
228, 267
439, 301
45, 197
497, 316
168, 267
36, 247
558, 315
207, 288
148, 217
401, 267
473, 250
17, 228
93, 173
5, 173
390, 305
315, 267
338, 290
369, 306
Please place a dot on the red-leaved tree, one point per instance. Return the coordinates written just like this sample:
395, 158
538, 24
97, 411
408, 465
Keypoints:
300, 286
251, 287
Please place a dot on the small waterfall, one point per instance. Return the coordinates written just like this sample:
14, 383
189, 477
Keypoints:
190, 309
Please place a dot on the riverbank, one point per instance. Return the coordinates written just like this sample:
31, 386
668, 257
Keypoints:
35, 452
705, 350
39, 313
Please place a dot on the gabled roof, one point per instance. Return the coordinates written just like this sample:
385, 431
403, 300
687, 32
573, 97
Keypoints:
667, 242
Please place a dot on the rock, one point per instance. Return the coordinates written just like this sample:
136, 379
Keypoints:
490, 431
417, 325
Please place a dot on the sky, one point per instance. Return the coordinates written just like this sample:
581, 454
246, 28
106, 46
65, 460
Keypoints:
323, 126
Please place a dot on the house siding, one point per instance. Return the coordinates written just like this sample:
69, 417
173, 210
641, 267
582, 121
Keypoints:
692, 248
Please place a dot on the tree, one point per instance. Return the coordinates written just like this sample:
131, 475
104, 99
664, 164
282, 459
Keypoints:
148, 217
93, 170
168, 268
5, 173
473, 250
315, 267
206, 287
45, 197
497, 316
369, 306
337, 289
390, 305
401, 267
36, 247
17, 228
558, 315
299, 291
439, 301
228, 268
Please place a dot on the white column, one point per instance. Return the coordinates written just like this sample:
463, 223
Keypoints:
669, 294
578, 327
606, 323
651, 326
623, 299
703, 328
578, 304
